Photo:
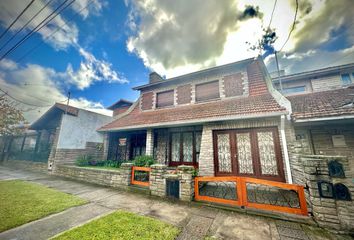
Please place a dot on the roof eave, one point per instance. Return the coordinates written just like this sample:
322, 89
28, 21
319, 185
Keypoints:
198, 121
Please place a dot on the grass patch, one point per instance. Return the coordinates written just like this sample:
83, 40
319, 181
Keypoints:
22, 202
122, 225
101, 167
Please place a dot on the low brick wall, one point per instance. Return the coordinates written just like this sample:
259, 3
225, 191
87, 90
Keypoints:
112, 178
27, 165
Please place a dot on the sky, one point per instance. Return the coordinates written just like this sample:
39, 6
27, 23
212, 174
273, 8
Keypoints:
99, 49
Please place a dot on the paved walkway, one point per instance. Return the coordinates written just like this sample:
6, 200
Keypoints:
196, 222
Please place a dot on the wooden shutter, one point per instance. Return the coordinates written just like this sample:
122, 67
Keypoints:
164, 99
184, 94
233, 85
207, 91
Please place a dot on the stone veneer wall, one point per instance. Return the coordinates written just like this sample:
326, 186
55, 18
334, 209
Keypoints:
206, 158
332, 213
113, 178
28, 165
159, 173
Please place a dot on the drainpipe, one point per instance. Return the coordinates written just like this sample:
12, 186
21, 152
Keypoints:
285, 149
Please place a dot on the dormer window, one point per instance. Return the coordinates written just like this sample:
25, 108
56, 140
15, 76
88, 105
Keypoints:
207, 91
165, 99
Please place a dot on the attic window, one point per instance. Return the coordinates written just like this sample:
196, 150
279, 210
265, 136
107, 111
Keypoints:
164, 99
207, 91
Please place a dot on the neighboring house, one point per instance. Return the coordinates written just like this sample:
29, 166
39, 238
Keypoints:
70, 132
227, 121
26, 145
315, 81
120, 107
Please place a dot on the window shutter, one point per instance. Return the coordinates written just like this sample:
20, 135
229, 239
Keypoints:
207, 91
164, 99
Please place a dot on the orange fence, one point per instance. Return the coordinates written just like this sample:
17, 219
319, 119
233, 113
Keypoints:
140, 176
252, 193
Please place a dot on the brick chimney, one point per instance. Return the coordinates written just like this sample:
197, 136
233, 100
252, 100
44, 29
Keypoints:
154, 77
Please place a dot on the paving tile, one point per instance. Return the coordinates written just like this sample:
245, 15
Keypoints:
292, 233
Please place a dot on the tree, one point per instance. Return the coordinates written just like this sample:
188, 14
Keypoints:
265, 44
10, 117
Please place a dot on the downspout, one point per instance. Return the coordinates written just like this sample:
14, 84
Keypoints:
285, 149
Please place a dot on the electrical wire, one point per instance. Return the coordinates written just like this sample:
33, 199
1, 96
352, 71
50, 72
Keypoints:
51, 35
20, 101
23, 27
271, 17
23, 11
293, 27
39, 27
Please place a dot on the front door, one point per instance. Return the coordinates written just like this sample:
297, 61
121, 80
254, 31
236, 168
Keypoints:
249, 153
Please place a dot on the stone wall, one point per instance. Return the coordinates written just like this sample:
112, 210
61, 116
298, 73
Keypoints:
206, 162
308, 170
27, 165
159, 173
112, 178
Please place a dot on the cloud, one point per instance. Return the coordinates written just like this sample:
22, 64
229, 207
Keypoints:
63, 38
66, 33
92, 70
94, 7
318, 27
169, 35
42, 87
311, 60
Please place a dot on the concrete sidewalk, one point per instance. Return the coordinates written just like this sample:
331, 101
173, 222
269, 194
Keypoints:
196, 222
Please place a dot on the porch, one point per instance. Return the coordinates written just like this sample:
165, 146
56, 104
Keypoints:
252, 148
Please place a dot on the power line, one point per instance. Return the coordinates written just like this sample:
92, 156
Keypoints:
28, 22
271, 17
39, 27
51, 35
20, 101
293, 27
23, 11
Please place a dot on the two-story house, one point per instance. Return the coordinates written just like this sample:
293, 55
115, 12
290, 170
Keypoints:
226, 121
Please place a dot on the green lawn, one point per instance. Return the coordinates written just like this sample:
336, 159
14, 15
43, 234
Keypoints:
124, 226
22, 202
102, 167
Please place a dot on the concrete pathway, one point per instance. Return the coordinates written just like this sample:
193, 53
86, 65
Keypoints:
196, 222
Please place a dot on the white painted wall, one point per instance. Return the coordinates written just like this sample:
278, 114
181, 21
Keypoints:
75, 131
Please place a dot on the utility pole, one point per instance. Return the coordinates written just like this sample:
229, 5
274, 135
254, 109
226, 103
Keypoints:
67, 103
280, 83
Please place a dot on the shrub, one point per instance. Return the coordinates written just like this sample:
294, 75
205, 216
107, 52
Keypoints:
83, 160
143, 161
112, 163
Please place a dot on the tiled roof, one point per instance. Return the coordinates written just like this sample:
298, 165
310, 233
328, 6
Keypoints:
256, 105
259, 103
322, 104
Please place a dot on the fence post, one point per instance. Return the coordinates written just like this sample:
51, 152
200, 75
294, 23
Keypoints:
157, 180
127, 171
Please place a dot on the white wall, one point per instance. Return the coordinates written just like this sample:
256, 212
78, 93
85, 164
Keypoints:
76, 131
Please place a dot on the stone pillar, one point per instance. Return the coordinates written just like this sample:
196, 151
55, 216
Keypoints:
127, 173
157, 180
105, 145
324, 209
149, 142
186, 182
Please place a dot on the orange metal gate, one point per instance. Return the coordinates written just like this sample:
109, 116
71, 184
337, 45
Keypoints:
140, 176
252, 193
